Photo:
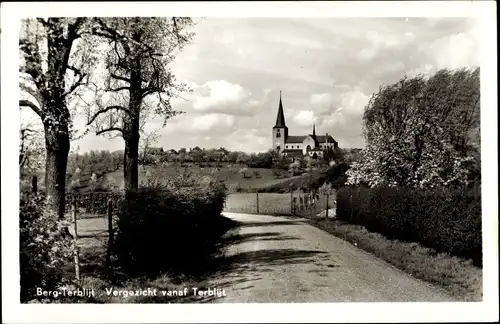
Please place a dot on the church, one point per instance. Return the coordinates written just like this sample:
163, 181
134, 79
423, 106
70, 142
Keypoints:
302, 145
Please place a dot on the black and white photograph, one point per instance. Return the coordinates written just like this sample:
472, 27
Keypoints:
284, 154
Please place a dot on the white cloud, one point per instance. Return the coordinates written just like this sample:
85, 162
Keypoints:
353, 102
305, 118
455, 51
220, 93
210, 122
367, 53
321, 99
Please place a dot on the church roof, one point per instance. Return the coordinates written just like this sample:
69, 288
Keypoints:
322, 139
280, 119
295, 139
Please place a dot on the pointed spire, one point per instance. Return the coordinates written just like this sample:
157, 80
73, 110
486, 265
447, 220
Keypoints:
280, 119
314, 129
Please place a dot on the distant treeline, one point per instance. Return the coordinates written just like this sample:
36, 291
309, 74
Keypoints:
269, 159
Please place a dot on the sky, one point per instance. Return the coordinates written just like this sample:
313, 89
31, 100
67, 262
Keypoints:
326, 70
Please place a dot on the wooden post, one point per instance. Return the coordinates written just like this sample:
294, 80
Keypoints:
327, 205
110, 232
77, 261
34, 184
291, 202
257, 202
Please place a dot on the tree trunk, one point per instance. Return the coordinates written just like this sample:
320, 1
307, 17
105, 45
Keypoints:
130, 163
131, 137
57, 145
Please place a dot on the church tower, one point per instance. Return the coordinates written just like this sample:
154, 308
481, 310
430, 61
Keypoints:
280, 131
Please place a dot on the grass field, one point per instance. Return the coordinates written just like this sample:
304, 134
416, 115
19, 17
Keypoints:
229, 174
269, 203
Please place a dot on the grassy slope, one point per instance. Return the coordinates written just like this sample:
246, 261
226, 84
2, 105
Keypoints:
228, 174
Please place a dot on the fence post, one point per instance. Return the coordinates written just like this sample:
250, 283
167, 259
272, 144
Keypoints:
110, 232
34, 184
327, 205
291, 202
77, 261
257, 202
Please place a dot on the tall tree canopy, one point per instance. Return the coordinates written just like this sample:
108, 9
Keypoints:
422, 132
56, 58
138, 83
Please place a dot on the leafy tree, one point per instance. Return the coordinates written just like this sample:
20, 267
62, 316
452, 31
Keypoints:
31, 150
232, 157
138, 83
418, 132
56, 58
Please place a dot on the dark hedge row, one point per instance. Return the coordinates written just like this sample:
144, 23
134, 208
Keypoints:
447, 221
162, 228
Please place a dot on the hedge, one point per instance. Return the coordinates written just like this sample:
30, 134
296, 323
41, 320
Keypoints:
447, 221
170, 228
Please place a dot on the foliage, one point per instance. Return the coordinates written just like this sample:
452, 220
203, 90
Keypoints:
334, 154
443, 219
138, 83
45, 248
260, 160
422, 133
56, 61
98, 162
295, 168
245, 173
31, 150
170, 225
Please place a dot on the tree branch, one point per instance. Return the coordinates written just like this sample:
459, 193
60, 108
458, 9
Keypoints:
33, 92
27, 103
118, 89
79, 82
105, 110
119, 77
110, 129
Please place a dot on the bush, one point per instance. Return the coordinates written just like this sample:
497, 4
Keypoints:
245, 173
45, 247
173, 225
447, 221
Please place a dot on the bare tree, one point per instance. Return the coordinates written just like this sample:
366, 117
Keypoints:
138, 83
53, 68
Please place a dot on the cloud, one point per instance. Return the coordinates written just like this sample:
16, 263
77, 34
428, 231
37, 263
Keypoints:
321, 99
326, 68
222, 96
305, 118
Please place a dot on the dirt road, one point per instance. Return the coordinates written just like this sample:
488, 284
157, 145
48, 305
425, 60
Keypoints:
277, 259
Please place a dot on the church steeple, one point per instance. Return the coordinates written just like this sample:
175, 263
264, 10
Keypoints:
280, 119
314, 129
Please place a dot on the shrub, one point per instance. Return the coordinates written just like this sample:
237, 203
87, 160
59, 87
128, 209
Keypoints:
45, 247
447, 221
172, 225
245, 173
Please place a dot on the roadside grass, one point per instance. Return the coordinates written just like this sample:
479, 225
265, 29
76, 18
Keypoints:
458, 276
